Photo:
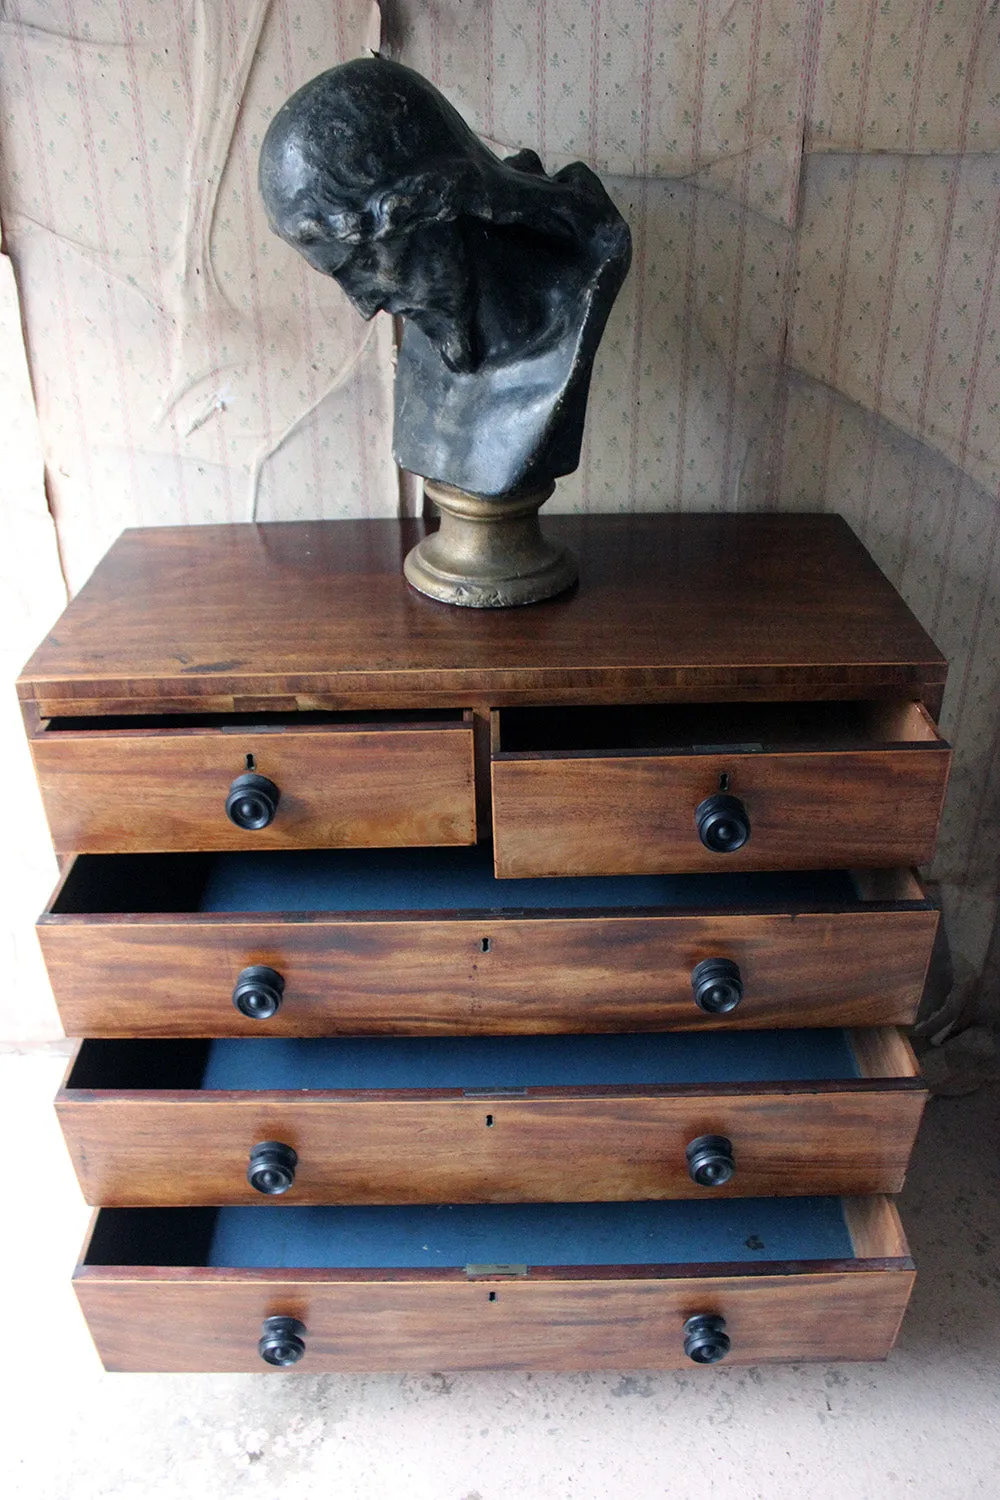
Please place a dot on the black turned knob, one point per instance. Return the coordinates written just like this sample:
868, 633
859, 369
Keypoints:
705, 1338
717, 985
281, 1341
272, 1168
723, 823
710, 1160
252, 801
258, 991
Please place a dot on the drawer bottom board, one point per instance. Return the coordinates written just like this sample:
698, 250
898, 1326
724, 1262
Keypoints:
535, 1234
481, 1063
558, 1287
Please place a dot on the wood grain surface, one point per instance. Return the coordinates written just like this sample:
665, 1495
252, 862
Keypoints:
875, 1227
317, 614
565, 1144
292, 618
198, 1319
116, 791
148, 975
613, 814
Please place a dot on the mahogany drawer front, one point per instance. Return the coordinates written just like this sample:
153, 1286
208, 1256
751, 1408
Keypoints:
491, 1119
184, 1290
131, 951
583, 792
339, 784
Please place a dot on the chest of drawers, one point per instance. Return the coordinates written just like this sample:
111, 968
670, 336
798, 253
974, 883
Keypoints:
515, 989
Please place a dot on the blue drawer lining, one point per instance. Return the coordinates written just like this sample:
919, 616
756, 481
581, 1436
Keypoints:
534, 1234
525, 1062
463, 880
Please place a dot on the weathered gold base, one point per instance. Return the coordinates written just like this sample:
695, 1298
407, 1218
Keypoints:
489, 554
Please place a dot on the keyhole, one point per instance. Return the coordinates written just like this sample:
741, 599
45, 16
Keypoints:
724, 782
489, 1120
485, 944
492, 1296
251, 763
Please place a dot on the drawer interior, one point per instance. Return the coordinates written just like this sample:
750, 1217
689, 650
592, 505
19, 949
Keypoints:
253, 723
439, 880
469, 883
739, 1231
480, 1064
708, 728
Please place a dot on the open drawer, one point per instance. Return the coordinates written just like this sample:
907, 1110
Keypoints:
383, 1120
270, 781
539, 1287
430, 942
757, 786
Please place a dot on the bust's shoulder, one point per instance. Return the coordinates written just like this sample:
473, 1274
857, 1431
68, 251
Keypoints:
578, 176
612, 231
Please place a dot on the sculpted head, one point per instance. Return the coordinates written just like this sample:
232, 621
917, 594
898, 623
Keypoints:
377, 181
504, 278
366, 171
502, 275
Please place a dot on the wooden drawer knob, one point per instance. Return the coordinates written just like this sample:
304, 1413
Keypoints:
723, 823
717, 985
705, 1338
710, 1160
258, 992
281, 1341
272, 1168
252, 801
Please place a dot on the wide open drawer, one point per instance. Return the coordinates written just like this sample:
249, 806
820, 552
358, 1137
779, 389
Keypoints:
764, 786
589, 1286
410, 942
320, 780
491, 1119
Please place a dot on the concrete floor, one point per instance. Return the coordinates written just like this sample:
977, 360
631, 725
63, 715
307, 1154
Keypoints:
925, 1424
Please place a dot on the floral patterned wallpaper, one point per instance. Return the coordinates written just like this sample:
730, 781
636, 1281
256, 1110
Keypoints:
811, 321
709, 92
184, 367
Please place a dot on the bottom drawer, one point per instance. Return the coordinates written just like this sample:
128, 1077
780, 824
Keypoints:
531, 1286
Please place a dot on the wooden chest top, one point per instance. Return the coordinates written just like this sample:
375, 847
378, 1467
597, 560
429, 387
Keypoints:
317, 614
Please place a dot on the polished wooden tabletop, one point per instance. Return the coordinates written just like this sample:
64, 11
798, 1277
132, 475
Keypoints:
300, 614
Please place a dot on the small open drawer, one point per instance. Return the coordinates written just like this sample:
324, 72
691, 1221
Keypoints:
757, 786
342, 942
536, 1287
384, 1120
270, 781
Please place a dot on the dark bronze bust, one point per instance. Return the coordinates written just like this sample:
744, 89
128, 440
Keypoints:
504, 278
